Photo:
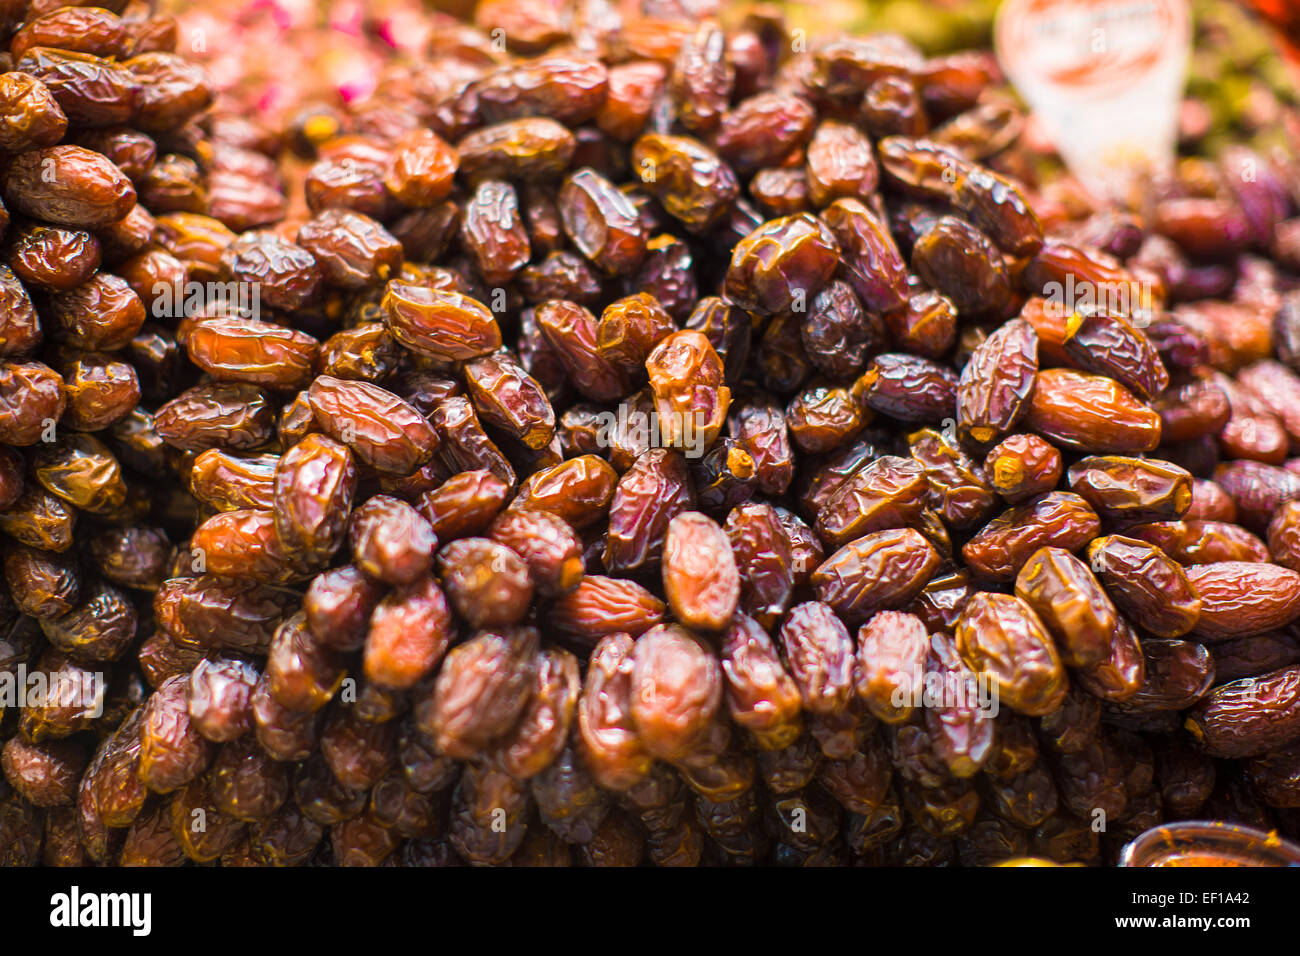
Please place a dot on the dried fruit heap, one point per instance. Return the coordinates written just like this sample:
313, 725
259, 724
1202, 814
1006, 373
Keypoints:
631, 421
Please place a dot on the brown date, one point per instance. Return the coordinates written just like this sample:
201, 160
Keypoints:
699, 572
1001, 636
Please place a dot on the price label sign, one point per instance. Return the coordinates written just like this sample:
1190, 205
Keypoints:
1105, 78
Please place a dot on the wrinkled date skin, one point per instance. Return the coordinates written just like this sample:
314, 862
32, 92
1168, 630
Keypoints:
764, 557
260, 353
1147, 585
878, 571
1064, 594
690, 397
600, 606
761, 696
1109, 345
1091, 412
602, 222
997, 207
623, 434
648, 496
480, 690
782, 265
963, 736
570, 331
693, 183
1178, 674
220, 415
548, 546
889, 492
440, 323
488, 583
677, 689
314, 484
994, 388
391, 541
1120, 674
820, 654
1249, 717
1131, 489
1006, 543
409, 630
509, 398
1001, 636
891, 659
909, 388
544, 726
381, 429
171, 753
699, 572
68, 186
872, 264
607, 735
1023, 467
960, 491
962, 263
1243, 597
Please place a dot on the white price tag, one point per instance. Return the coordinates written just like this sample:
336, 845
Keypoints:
1105, 78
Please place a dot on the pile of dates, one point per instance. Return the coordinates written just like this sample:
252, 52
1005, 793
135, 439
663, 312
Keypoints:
624, 439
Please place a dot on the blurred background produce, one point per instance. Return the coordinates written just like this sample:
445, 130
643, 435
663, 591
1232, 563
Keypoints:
272, 56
